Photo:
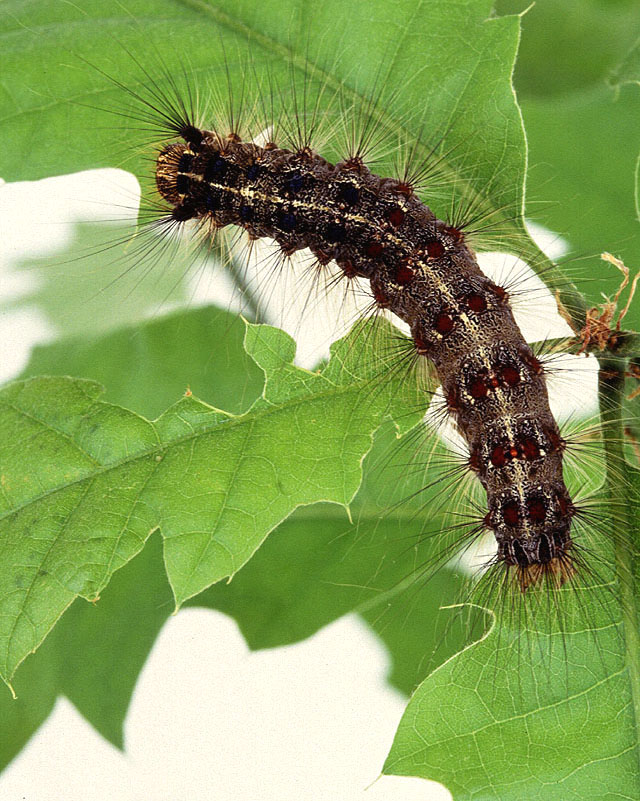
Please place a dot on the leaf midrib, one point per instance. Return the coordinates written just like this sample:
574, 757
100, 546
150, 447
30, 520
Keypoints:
233, 420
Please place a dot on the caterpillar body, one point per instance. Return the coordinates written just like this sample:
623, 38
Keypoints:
420, 265
421, 269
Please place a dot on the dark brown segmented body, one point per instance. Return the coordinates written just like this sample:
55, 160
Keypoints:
422, 270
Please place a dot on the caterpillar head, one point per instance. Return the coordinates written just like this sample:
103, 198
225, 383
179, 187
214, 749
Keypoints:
167, 171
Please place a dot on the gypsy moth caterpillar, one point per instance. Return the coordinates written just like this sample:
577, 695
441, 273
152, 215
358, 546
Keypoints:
164, 104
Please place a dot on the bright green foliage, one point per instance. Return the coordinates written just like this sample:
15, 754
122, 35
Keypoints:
590, 138
570, 45
85, 482
313, 569
628, 71
146, 367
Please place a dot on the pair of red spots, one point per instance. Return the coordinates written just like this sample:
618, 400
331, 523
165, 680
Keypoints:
526, 449
536, 511
435, 248
404, 275
444, 322
505, 375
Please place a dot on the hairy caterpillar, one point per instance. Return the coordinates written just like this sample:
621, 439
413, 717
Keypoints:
420, 267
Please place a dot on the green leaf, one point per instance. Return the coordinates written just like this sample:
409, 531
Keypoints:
546, 715
85, 483
570, 45
584, 150
96, 651
582, 136
628, 71
314, 568
147, 366
93, 656
419, 75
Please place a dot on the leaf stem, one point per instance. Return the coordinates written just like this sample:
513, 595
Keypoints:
611, 394
627, 344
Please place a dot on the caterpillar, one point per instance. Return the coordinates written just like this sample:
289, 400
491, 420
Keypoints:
421, 268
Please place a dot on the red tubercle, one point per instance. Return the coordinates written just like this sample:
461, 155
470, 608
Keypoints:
478, 389
498, 456
420, 345
510, 376
305, 153
444, 323
323, 258
404, 274
435, 249
565, 506
556, 441
455, 233
529, 449
380, 298
531, 360
526, 448
374, 248
404, 188
493, 381
511, 513
347, 268
396, 216
476, 303
499, 291
537, 509
353, 163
